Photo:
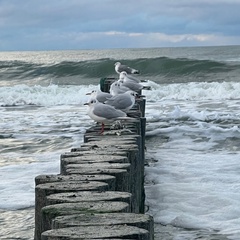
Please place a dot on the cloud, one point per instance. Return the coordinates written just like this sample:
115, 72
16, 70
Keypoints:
74, 24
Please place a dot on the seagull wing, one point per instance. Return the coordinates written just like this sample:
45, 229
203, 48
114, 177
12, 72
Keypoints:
108, 112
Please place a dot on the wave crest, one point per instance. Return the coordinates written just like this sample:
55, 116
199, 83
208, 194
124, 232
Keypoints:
160, 70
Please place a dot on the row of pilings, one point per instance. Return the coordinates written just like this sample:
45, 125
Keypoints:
99, 192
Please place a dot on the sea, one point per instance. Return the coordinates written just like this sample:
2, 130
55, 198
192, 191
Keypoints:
192, 171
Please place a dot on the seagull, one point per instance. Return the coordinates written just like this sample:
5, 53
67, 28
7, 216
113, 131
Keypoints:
119, 68
134, 86
117, 88
124, 101
104, 113
99, 95
131, 82
124, 74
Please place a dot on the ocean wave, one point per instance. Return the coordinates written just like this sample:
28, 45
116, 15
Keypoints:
194, 91
161, 70
20, 95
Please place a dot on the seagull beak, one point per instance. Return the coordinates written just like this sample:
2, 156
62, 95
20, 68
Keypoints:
86, 103
88, 93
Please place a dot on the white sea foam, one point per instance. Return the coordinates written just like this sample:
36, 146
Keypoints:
18, 171
193, 185
192, 135
193, 91
32, 139
44, 96
194, 182
193, 190
61, 95
17, 181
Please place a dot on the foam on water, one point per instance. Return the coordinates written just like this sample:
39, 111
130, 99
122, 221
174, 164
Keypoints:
192, 139
193, 91
194, 142
192, 134
17, 186
44, 96
34, 136
193, 190
61, 95
37, 153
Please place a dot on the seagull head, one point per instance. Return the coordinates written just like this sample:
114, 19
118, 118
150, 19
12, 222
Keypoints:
91, 102
122, 75
93, 92
117, 64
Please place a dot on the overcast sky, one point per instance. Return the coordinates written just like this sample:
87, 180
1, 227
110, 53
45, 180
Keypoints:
101, 24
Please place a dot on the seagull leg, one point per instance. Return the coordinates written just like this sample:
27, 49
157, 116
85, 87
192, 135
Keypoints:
102, 129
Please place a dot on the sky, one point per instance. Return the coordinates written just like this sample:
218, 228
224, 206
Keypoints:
105, 24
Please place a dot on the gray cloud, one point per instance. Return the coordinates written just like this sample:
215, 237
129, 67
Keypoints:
71, 24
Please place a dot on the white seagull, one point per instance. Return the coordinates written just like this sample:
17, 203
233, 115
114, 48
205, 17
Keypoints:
131, 82
119, 68
124, 101
124, 74
104, 113
117, 88
99, 95
134, 86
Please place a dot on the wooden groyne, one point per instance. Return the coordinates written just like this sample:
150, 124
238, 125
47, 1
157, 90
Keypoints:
99, 192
